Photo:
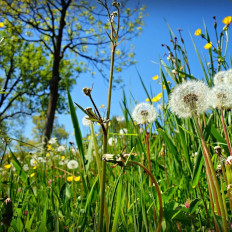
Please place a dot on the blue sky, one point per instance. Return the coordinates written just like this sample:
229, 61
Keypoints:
186, 15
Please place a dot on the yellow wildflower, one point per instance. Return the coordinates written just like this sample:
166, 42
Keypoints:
147, 100
7, 166
49, 147
47, 154
96, 135
156, 98
208, 45
227, 20
78, 178
34, 167
98, 124
89, 137
70, 178
135, 123
155, 77
164, 87
101, 106
1, 24
62, 157
197, 32
32, 174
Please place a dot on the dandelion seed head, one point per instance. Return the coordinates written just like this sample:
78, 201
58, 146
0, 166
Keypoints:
52, 141
86, 121
228, 77
189, 98
219, 78
144, 113
72, 164
220, 96
61, 148
112, 141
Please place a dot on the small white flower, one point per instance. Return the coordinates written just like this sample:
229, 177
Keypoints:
219, 78
123, 131
144, 113
72, 164
52, 141
86, 121
61, 148
112, 141
221, 96
189, 98
120, 118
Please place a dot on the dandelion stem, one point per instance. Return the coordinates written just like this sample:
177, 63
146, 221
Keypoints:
225, 131
211, 171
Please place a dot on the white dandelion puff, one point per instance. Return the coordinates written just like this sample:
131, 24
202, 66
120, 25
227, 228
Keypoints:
25, 167
33, 162
221, 96
72, 164
61, 148
52, 141
41, 160
86, 121
112, 141
189, 98
144, 113
228, 77
219, 78
62, 162
120, 118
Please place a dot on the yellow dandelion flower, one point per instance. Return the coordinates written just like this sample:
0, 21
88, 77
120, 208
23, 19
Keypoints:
49, 147
155, 77
32, 174
34, 162
1, 24
147, 100
98, 124
227, 20
62, 157
89, 137
78, 178
96, 135
34, 167
70, 178
47, 154
208, 45
156, 98
197, 32
8, 166
164, 87
9, 156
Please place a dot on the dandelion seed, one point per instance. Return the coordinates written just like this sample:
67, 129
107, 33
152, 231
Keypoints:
86, 121
61, 148
72, 164
144, 113
112, 141
221, 97
189, 98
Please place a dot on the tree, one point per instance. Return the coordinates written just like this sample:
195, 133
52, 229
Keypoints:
23, 77
68, 25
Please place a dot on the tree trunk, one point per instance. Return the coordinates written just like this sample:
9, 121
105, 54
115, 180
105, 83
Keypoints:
53, 99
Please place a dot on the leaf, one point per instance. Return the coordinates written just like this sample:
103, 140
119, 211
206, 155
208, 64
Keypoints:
42, 226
